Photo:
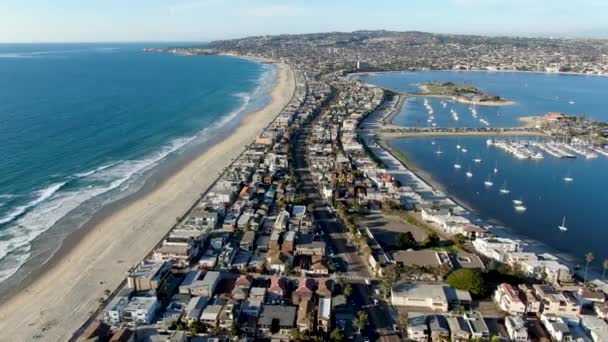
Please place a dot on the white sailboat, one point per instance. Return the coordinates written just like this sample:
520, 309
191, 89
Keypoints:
469, 173
518, 202
464, 150
439, 151
568, 178
495, 168
457, 165
563, 227
520, 208
477, 160
488, 182
503, 190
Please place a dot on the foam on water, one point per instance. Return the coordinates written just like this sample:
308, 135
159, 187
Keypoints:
25, 223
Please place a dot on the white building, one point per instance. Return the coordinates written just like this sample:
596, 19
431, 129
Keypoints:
140, 310
433, 297
516, 328
507, 298
497, 248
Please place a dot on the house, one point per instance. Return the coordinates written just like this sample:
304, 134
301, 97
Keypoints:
257, 293
241, 287
325, 287
149, 275
276, 291
459, 329
496, 248
211, 314
140, 310
195, 286
247, 241
595, 327
516, 328
194, 309
178, 249
533, 304
228, 314
289, 242
304, 291
306, 315
507, 298
278, 261
428, 296
276, 321
306, 245
318, 266
557, 327
324, 314
439, 329
417, 327
556, 303
252, 308
477, 325
203, 219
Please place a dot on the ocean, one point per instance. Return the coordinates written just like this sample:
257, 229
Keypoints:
538, 183
84, 125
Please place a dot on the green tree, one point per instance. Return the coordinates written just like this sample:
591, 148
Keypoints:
348, 290
589, 259
294, 333
234, 330
403, 320
390, 275
337, 335
360, 321
467, 279
194, 327
460, 239
405, 241
432, 240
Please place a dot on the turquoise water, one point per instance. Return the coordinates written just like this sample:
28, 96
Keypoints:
83, 125
538, 183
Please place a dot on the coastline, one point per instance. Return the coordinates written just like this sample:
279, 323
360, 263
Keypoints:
426, 178
426, 93
566, 73
55, 302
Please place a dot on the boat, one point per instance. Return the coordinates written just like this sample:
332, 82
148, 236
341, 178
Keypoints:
568, 179
520, 208
457, 166
458, 147
495, 168
464, 150
477, 160
488, 182
469, 174
503, 190
571, 102
432, 143
563, 227
439, 151
518, 202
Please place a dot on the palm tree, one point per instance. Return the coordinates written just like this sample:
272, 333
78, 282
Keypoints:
348, 290
360, 321
605, 264
588, 258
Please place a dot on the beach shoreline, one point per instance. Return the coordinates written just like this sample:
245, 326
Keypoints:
54, 302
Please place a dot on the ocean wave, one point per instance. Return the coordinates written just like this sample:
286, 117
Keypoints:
27, 222
42, 195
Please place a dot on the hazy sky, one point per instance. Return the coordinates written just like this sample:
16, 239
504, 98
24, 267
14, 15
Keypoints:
200, 20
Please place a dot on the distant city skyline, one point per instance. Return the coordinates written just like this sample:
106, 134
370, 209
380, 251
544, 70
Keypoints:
204, 20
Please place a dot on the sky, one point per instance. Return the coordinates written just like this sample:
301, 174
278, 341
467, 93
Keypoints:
204, 20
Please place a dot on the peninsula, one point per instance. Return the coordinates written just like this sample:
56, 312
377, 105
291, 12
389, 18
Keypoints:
463, 93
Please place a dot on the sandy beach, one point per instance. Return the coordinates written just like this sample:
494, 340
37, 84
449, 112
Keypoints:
53, 305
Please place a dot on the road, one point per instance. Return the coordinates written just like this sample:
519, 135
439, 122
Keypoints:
380, 322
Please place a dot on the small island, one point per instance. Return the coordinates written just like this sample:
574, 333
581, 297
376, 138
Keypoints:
463, 93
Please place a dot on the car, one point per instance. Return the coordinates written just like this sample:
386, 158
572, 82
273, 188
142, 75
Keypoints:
367, 281
377, 291
375, 301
